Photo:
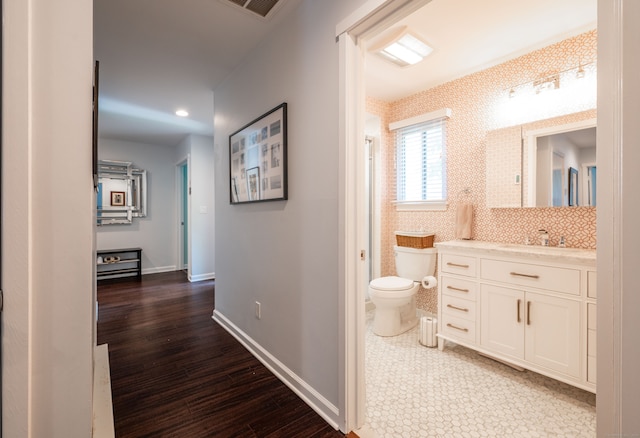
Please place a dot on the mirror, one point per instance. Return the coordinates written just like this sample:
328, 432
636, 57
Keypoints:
547, 163
122, 192
565, 168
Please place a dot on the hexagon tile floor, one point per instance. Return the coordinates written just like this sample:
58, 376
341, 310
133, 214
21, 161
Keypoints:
415, 391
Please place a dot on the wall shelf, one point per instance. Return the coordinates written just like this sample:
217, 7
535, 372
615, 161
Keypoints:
129, 265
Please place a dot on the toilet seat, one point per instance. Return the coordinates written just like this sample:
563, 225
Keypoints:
390, 284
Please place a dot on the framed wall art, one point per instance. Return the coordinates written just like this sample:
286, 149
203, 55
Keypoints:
258, 159
117, 199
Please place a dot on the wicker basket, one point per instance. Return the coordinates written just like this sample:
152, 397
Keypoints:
414, 240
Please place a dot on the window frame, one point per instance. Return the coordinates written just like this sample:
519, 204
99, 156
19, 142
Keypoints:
424, 119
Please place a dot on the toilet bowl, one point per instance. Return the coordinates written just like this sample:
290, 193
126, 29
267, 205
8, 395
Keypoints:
394, 296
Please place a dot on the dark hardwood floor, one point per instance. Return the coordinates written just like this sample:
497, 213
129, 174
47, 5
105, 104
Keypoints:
176, 373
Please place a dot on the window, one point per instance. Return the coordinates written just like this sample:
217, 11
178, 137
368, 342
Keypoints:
420, 160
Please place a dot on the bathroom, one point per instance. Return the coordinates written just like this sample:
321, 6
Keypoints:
483, 107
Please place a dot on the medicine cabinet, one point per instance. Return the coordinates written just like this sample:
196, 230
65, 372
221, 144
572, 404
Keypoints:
548, 163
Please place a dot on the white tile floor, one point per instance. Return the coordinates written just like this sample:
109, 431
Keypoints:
415, 391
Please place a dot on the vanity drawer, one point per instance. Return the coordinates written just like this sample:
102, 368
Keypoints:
591, 343
551, 278
459, 308
592, 284
591, 369
457, 264
460, 328
457, 287
592, 317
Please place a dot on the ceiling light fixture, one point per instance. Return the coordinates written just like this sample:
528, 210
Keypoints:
182, 113
403, 48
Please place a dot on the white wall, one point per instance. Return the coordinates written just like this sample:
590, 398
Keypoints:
202, 214
48, 214
199, 150
285, 253
156, 234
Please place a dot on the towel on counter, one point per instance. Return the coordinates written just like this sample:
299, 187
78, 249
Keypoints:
464, 221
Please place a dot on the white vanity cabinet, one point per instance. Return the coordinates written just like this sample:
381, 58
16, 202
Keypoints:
526, 305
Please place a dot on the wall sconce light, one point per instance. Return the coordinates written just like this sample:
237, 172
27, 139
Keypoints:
545, 84
551, 82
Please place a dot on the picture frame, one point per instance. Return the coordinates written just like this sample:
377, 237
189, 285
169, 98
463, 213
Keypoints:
573, 187
117, 199
258, 159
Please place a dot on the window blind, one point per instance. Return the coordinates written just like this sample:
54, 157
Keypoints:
420, 162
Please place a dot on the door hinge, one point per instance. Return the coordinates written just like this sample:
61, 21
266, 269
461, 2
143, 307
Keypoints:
1, 300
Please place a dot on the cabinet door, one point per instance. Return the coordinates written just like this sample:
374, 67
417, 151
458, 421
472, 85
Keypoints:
552, 335
502, 320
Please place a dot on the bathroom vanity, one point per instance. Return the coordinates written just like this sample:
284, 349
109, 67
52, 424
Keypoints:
530, 306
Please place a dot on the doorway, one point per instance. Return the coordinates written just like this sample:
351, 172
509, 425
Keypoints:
352, 54
182, 178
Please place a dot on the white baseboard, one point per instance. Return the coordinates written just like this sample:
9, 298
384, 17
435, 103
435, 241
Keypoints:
201, 277
103, 426
306, 392
159, 270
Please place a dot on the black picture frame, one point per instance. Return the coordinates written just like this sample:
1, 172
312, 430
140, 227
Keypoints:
258, 159
573, 187
94, 140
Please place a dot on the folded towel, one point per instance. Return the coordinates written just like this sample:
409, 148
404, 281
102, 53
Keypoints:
464, 220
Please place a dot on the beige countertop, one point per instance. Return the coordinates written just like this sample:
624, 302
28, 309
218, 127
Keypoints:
548, 253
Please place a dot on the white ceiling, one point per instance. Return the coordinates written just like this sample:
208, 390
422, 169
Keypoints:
160, 55
472, 35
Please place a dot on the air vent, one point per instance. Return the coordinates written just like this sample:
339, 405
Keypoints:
262, 8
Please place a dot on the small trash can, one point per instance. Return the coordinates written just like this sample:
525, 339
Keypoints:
427, 331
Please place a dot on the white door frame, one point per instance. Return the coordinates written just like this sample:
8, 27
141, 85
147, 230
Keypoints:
179, 206
372, 16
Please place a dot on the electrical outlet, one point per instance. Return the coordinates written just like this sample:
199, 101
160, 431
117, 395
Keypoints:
258, 310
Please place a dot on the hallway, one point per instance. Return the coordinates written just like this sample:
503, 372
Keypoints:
176, 373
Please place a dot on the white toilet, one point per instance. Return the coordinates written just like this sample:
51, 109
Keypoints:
394, 297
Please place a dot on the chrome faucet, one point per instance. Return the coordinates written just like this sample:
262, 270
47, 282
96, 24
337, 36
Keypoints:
543, 235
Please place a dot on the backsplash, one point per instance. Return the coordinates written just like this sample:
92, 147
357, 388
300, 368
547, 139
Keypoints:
476, 102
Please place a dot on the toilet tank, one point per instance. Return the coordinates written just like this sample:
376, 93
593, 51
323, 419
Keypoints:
413, 263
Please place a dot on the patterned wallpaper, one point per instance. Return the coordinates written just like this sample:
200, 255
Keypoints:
476, 101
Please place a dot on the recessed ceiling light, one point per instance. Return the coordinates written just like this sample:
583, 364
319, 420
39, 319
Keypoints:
403, 48
182, 113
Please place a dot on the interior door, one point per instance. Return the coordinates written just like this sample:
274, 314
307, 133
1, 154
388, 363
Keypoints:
185, 216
